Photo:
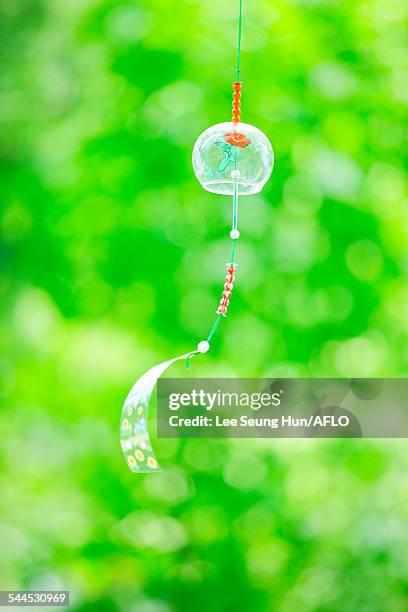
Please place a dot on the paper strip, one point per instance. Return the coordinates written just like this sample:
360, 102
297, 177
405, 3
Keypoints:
134, 435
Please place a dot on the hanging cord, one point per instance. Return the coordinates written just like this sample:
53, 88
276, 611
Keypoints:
231, 264
234, 240
214, 327
235, 196
230, 276
189, 358
238, 64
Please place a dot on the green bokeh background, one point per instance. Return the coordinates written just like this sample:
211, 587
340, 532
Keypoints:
112, 260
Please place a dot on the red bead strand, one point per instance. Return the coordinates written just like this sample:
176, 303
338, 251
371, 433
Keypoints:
236, 102
228, 286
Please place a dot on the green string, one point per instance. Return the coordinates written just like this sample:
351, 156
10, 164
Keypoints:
233, 251
235, 196
214, 327
189, 358
238, 67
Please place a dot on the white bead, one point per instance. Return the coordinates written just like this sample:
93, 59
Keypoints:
235, 174
203, 346
234, 233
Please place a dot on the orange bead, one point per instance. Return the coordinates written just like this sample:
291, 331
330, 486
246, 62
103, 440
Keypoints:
236, 101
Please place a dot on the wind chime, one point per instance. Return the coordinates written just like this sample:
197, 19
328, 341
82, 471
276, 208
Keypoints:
234, 159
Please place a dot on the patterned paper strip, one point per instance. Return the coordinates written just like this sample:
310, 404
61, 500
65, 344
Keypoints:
134, 435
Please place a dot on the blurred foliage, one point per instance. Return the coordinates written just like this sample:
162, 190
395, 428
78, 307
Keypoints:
112, 258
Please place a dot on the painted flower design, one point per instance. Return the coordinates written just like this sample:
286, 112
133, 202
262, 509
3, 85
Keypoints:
139, 455
131, 461
231, 145
152, 463
237, 139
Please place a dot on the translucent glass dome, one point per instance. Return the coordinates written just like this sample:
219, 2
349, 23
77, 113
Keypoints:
227, 153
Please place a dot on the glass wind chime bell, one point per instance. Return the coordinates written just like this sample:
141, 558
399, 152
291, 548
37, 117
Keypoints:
233, 156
